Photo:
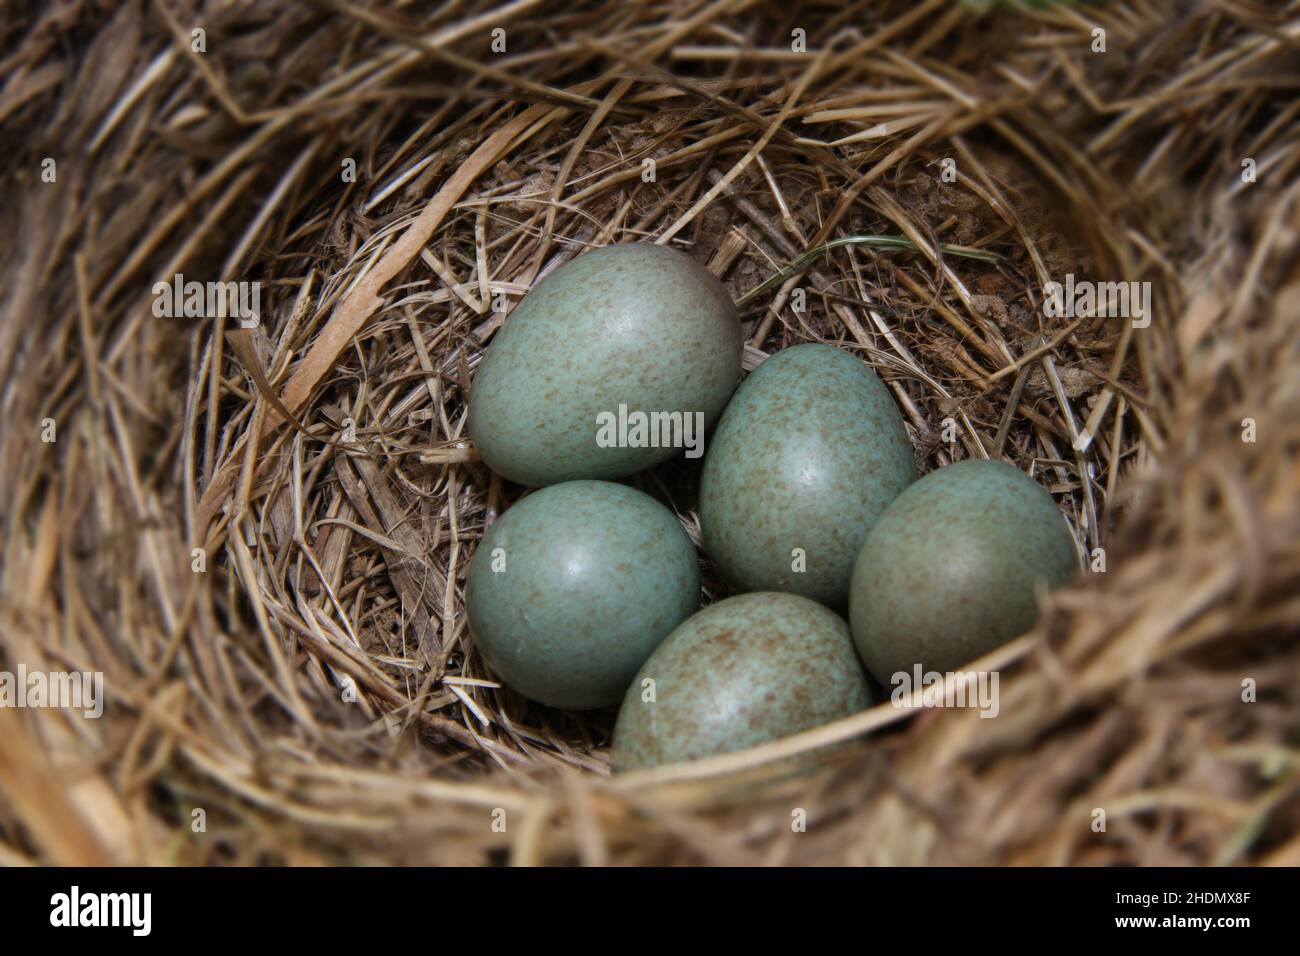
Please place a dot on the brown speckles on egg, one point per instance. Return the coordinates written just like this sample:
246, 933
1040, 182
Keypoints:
949, 572
639, 325
744, 671
808, 453
596, 575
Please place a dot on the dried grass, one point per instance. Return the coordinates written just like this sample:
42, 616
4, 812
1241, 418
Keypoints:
335, 561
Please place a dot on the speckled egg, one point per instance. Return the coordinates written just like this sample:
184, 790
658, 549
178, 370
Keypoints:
595, 349
573, 587
749, 669
950, 570
807, 455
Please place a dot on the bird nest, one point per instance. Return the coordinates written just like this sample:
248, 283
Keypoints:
258, 532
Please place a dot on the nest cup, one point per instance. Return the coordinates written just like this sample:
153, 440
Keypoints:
260, 534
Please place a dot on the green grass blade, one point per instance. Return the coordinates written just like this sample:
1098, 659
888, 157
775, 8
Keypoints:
805, 259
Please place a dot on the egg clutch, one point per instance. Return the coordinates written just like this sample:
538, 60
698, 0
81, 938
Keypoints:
586, 592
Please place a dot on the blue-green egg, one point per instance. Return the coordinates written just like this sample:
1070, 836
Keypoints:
952, 568
614, 362
807, 455
574, 586
742, 672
